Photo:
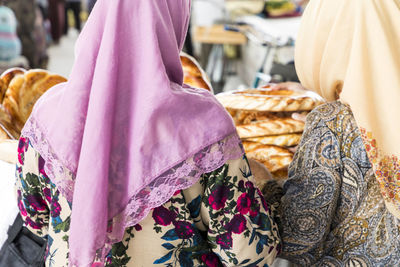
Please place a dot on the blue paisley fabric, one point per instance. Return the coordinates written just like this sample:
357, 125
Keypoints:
332, 212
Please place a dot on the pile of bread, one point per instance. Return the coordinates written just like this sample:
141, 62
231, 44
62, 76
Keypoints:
194, 75
264, 122
19, 91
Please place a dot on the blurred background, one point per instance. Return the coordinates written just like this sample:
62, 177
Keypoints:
240, 43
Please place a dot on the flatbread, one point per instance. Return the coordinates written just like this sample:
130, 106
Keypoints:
273, 157
276, 126
286, 140
193, 74
273, 100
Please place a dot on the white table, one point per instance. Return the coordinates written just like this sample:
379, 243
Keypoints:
8, 202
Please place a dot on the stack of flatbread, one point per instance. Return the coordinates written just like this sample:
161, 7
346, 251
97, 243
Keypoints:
19, 91
264, 122
194, 75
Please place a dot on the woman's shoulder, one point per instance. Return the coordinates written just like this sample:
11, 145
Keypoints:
331, 111
331, 115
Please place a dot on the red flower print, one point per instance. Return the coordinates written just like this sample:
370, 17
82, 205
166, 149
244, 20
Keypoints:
36, 202
237, 225
210, 260
254, 213
163, 216
177, 192
32, 224
47, 194
55, 209
22, 209
22, 148
41, 167
263, 202
225, 240
138, 227
184, 230
249, 184
244, 203
218, 197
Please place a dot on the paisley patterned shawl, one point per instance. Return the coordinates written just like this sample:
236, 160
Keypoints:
349, 50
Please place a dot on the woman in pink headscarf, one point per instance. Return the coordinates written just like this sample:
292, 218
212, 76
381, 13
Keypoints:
124, 165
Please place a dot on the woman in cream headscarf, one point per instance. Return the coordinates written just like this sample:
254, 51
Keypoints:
341, 204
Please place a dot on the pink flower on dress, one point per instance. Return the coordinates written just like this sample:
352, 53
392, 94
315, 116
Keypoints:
237, 225
254, 213
32, 224
210, 260
184, 230
41, 167
55, 209
22, 148
225, 240
177, 192
21, 205
47, 194
22, 209
263, 202
218, 197
138, 227
244, 203
36, 202
163, 216
249, 184
97, 264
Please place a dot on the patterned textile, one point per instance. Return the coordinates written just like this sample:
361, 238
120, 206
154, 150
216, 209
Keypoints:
222, 219
335, 59
332, 212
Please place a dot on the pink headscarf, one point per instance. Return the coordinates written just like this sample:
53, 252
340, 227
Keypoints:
124, 127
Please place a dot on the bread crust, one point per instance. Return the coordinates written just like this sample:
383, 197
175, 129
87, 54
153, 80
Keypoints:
276, 126
272, 100
23, 90
273, 157
194, 75
285, 140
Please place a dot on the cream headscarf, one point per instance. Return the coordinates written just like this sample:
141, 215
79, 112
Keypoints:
350, 50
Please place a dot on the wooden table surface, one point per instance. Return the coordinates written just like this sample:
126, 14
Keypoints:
216, 34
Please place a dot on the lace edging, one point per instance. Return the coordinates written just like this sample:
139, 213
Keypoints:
163, 187
62, 176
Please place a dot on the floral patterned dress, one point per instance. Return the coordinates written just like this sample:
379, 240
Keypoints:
332, 212
221, 220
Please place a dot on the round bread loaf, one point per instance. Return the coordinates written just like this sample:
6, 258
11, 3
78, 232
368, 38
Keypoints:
21, 91
194, 75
